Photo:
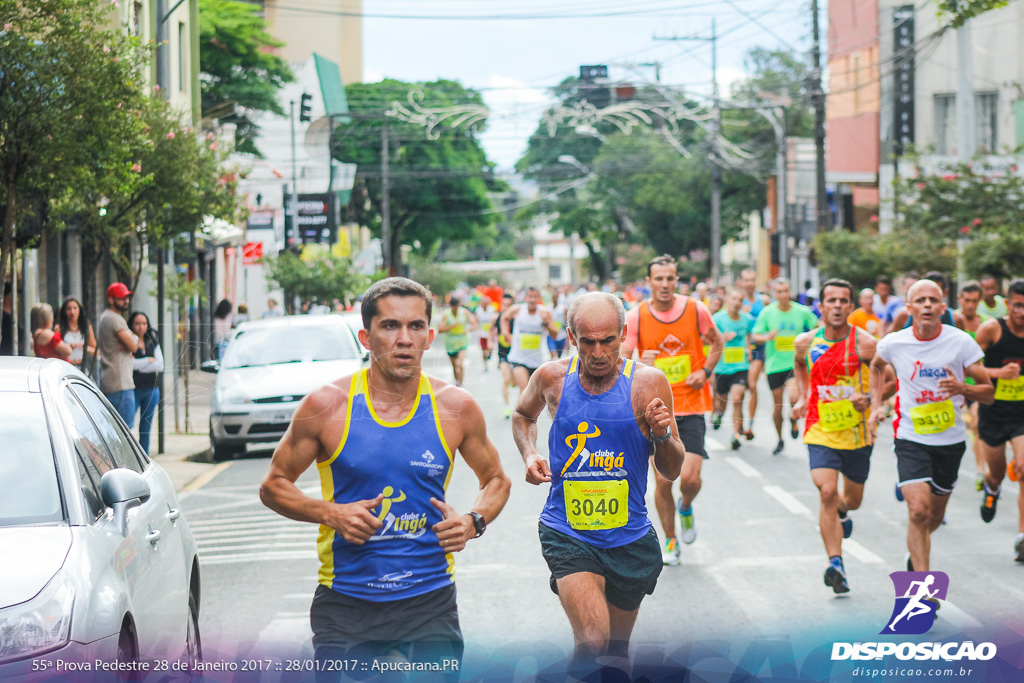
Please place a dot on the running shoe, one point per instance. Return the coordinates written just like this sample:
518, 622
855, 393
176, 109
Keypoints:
899, 492
736, 442
979, 481
835, 577
689, 529
794, 430
1018, 548
988, 504
749, 434
910, 565
670, 555
716, 420
508, 412
846, 523
779, 447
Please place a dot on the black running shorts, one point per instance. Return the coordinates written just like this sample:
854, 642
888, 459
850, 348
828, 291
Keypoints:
724, 383
691, 433
937, 465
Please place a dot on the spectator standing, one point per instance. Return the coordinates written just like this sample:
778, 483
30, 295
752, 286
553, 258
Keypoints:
272, 309
73, 326
146, 368
117, 344
7, 325
221, 326
46, 342
865, 317
241, 316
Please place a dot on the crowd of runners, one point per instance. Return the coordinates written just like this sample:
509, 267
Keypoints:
631, 379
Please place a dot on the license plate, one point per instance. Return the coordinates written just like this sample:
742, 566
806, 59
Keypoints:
281, 416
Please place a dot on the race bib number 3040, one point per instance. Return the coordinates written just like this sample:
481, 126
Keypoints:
933, 418
676, 368
596, 505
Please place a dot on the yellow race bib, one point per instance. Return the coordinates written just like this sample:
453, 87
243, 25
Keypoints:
676, 368
933, 418
838, 416
458, 329
734, 354
1010, 389
529, 342
785, 343
486, 327
594, 505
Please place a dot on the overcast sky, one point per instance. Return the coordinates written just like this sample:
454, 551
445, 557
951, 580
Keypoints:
514, 61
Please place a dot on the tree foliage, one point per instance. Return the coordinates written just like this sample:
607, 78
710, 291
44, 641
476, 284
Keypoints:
960, 11
319, 277
239, 67
438, 188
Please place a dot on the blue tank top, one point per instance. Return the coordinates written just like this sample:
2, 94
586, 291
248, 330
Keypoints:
598, 458
409, 462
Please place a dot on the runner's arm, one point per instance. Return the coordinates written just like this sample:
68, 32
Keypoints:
988, 334
299, 448
982, 391
657, 399
877, 386
524, 424
506, 316
548, 322
713, 336
803, 379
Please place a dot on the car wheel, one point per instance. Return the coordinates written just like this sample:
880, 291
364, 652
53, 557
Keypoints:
127, 652
193, 642
220, 451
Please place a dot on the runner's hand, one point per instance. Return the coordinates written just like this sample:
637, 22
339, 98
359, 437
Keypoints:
799, 410
537, 470
659, 418
875, 418
648, 356
861, 402
728, 336
354, 521
1012, 370
697, 379
951, 385
455, 529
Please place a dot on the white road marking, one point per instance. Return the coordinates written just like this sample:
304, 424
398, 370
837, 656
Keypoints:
855, 549
287, 627
956, 616
258, 557
742, 466
258, 546
203, 479
713, 444
283, 534
788, 501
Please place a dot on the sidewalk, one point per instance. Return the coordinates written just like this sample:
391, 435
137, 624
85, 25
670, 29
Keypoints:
186, 455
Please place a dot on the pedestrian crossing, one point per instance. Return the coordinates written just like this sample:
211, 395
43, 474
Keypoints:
253, 537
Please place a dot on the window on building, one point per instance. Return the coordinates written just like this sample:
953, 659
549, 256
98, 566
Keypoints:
182, 53
555, 271
986, 106
945, 124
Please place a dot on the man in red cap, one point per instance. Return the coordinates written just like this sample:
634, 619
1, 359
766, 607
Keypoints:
117, 346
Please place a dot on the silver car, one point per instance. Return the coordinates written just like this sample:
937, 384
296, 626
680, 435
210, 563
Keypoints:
96, 560
269, 366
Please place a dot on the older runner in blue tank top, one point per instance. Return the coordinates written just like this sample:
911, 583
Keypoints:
384, 441
595, 534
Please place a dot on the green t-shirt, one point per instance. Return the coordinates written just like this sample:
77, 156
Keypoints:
997, 311
779, 352
736, 348
457, 338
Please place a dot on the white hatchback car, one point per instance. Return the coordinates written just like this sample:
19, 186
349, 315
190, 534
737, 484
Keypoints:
269, 367
96, 560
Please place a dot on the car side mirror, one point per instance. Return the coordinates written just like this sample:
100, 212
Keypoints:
366, 355
122, 489
212, 366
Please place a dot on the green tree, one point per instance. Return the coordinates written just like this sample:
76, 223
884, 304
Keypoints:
239, 67
960, 11
318, 277
439, 188
64, 85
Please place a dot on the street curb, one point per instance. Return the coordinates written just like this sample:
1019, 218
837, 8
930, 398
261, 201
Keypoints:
204, 456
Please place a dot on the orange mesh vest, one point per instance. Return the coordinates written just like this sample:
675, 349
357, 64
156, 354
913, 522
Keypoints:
681, 351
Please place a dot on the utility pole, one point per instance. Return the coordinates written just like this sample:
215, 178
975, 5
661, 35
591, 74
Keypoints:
818, 98
713, 154
965, 142
293, 203
385, 199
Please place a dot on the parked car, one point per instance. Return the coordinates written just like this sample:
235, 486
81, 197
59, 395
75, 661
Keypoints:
269, 367
96, 559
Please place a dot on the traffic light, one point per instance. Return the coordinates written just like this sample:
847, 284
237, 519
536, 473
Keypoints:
305, 107
597, 94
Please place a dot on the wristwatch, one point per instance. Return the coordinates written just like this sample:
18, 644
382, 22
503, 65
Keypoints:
662, 439
479, 523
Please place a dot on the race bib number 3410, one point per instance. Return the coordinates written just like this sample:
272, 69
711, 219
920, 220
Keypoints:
596, 505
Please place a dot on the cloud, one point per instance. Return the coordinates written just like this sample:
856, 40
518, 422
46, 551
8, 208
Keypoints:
516, 107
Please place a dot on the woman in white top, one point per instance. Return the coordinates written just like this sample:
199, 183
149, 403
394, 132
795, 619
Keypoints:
146, 368
75, 329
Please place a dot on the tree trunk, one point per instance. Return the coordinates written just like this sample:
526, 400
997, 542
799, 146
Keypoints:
6, 244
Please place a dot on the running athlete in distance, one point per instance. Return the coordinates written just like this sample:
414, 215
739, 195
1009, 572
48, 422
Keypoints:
831, 366
595, 533
384, 442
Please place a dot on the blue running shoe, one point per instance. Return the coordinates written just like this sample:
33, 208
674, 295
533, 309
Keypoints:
835, 577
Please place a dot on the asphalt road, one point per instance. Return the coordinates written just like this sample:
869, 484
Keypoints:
753, 576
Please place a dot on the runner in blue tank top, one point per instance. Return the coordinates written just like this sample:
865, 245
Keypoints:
384, 442
596, 537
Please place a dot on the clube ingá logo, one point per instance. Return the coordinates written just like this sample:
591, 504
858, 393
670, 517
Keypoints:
917, 601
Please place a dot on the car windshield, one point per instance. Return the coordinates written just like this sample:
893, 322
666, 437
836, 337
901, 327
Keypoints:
28, 472
290, 344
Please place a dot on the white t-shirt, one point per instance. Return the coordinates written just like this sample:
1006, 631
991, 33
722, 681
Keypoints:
922, 415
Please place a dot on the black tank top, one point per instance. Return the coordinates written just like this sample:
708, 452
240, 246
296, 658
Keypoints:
1009, 349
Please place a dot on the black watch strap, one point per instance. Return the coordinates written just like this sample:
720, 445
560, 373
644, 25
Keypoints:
479, 523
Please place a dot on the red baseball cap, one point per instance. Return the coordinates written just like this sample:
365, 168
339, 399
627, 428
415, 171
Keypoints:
117, 291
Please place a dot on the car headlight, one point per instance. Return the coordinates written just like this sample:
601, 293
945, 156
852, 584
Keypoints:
233, 397
39, 625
